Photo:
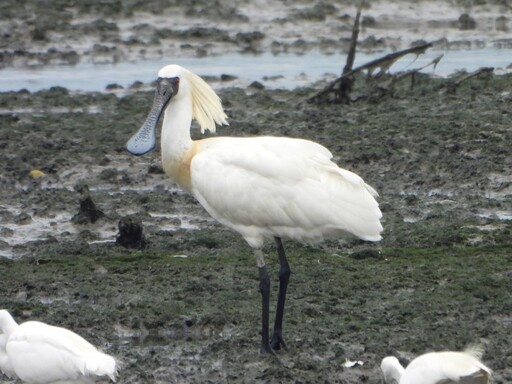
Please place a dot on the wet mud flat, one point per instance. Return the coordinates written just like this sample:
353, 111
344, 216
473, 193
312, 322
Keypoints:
186, 307
66, 32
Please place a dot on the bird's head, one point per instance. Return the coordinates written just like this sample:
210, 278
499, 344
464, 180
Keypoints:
391, 369
173, 83
7, 323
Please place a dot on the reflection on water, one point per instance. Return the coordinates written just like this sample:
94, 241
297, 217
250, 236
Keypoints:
275, 71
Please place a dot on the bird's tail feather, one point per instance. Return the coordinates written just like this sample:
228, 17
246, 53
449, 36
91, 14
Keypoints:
476, 350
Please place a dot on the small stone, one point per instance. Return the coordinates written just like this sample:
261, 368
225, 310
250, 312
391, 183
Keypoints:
256, 85
130, 233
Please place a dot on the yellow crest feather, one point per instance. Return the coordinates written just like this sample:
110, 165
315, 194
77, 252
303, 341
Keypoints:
206, 105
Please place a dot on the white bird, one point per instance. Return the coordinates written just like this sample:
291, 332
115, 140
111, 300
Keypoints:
38, 353
438, 368
260, 187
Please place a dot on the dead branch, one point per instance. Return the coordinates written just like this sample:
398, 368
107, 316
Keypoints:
345, 85
413, 72
382, 63
353, 41
452, 86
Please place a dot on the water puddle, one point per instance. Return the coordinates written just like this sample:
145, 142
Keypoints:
174, 222
40, 228
496, 215
93, 109
273, 70
59, 226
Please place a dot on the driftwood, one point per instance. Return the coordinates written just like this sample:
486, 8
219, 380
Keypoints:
451, 86
412, 73
345, 85
382, 63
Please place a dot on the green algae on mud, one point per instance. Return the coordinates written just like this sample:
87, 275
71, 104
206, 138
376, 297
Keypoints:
150, 307
186, 307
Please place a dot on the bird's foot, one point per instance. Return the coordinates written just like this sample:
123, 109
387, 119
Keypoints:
276, 342
266, 349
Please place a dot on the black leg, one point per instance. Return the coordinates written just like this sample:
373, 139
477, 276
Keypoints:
265, 304
284, 275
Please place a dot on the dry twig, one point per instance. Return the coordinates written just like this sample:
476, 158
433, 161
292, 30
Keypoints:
413, 72
382, 63
451, 86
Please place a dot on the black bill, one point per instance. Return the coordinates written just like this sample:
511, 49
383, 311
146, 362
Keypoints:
145, 138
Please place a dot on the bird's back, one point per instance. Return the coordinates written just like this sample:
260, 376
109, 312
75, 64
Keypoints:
40, 353
446, 367
274, 186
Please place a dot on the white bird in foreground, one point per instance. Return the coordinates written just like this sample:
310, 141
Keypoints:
438, 368
260, 187
38, 353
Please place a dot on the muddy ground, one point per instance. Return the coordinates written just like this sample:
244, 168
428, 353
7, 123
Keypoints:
36, 33
186, 307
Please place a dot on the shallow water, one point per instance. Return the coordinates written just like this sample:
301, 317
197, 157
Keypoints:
275, 71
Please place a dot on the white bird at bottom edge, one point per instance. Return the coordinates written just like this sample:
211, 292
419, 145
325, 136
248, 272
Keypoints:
38, 353
261, 187
445, 367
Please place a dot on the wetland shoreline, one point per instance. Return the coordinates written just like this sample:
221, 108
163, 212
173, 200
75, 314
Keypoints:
185, 308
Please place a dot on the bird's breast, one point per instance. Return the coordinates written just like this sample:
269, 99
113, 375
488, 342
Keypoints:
177, 166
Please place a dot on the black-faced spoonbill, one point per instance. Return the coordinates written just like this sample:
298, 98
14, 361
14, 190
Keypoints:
438, 368
38, 353
261, 187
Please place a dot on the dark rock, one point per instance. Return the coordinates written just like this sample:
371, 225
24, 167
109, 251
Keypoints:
136, 85
22, 219
155, 169
225, 77
256, 85
188, 321
130, 233
113, 86
88, 213
366, 254
466, 22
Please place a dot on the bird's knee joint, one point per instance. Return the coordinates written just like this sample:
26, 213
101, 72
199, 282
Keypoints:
264, 280
265, 286
285, 272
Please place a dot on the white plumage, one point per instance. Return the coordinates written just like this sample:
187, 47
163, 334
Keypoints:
264, 187
438, 368
261, 187
38, 353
